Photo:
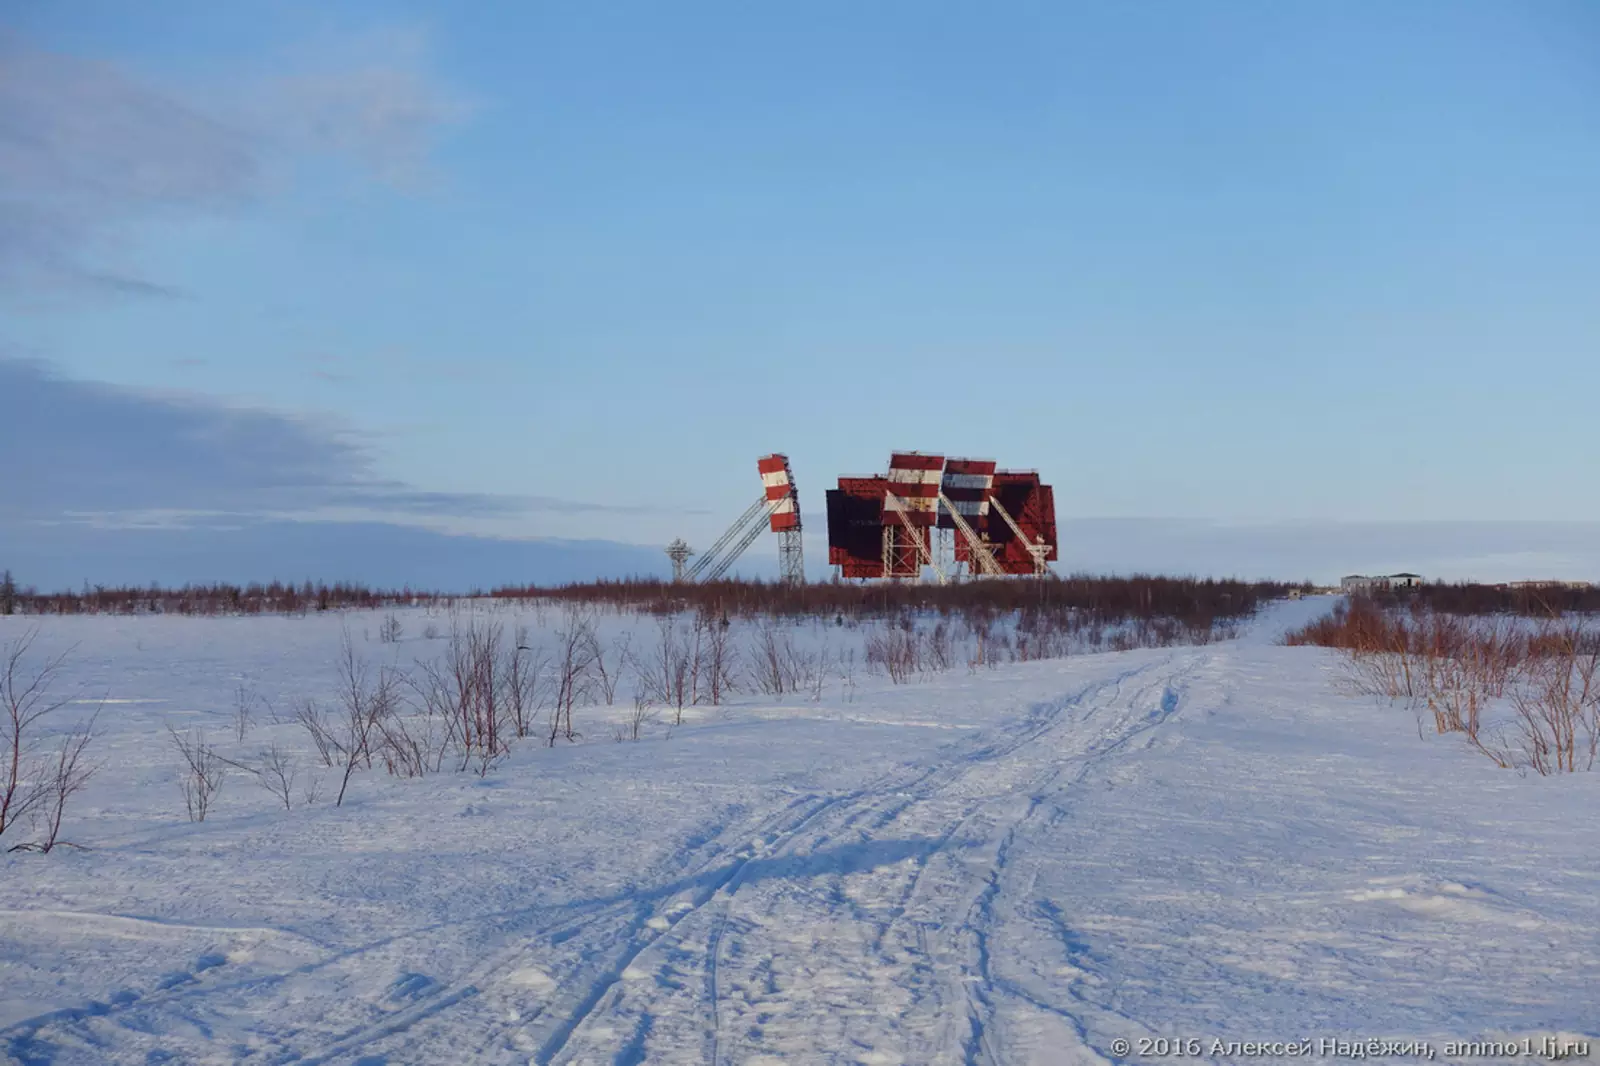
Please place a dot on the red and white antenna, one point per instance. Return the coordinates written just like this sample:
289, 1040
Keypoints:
910, 511
964, 507
783, 499
777, 509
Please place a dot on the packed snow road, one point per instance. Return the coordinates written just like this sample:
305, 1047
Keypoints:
1023, 865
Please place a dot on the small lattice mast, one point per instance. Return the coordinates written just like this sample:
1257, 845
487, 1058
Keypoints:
783, 499
679, 553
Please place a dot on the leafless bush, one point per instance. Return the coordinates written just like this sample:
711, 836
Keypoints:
430, 631
277, 775
576, 648
633, 727
1558, 703
522, 677
720, 659
390, 630
813, 671
482, 694
411, 745
68, 774
941, 647
245, 701
1455, 666
203, 772
897, 650
36, 786
346, 739
607, 674
779, 665
665, 672
847, 675
1106, 599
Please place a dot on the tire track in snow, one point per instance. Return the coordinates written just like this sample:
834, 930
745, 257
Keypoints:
878, 808
635, 932
643, 935
36, 1037
916, 784
599, 940
979, 922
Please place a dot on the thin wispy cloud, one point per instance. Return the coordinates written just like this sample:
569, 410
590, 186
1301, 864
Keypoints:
89, 148
371, 99
80, 451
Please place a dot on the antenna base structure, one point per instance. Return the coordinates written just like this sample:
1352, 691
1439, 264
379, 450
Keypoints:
791, 558
777, 509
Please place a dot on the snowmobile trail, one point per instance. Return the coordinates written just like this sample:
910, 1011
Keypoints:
846, 925
1021, 865
862, 935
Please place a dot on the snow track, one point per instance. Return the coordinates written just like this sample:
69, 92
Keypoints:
863, 928
1023, 865
855, 920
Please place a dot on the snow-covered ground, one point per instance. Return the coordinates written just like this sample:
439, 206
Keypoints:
1025, 864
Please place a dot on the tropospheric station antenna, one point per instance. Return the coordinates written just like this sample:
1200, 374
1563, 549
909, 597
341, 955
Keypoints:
777, 509
777, 480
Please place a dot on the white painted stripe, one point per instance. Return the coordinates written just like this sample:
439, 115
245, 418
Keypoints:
786, 507
903, 476
968, 481
777, 477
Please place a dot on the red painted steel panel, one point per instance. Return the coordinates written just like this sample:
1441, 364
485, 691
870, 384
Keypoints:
966, 484
855, 526
1033, 507
914, 479
778, 480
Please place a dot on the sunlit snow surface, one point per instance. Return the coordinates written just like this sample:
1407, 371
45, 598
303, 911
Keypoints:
1023, 864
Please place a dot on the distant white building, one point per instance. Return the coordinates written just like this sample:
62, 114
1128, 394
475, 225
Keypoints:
1379, 583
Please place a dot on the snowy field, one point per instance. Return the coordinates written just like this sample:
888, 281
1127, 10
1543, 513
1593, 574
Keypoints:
1049, 862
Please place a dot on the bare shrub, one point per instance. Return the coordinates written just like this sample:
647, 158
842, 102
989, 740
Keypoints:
941, 647
202, 773
665, 672
522, 677
345, 740
480, 698
245, 702
277, 775
813, 670
36, 785
633, 726
847, 675
575, 651
719, 659
390, 630
1455, 666
897, 650
607, 674
779, 665
67, 774
1558, 702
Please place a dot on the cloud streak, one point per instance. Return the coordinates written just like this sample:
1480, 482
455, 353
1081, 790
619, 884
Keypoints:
81, 452
88, 148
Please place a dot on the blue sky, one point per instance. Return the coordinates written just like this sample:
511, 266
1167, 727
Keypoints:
1256, 271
